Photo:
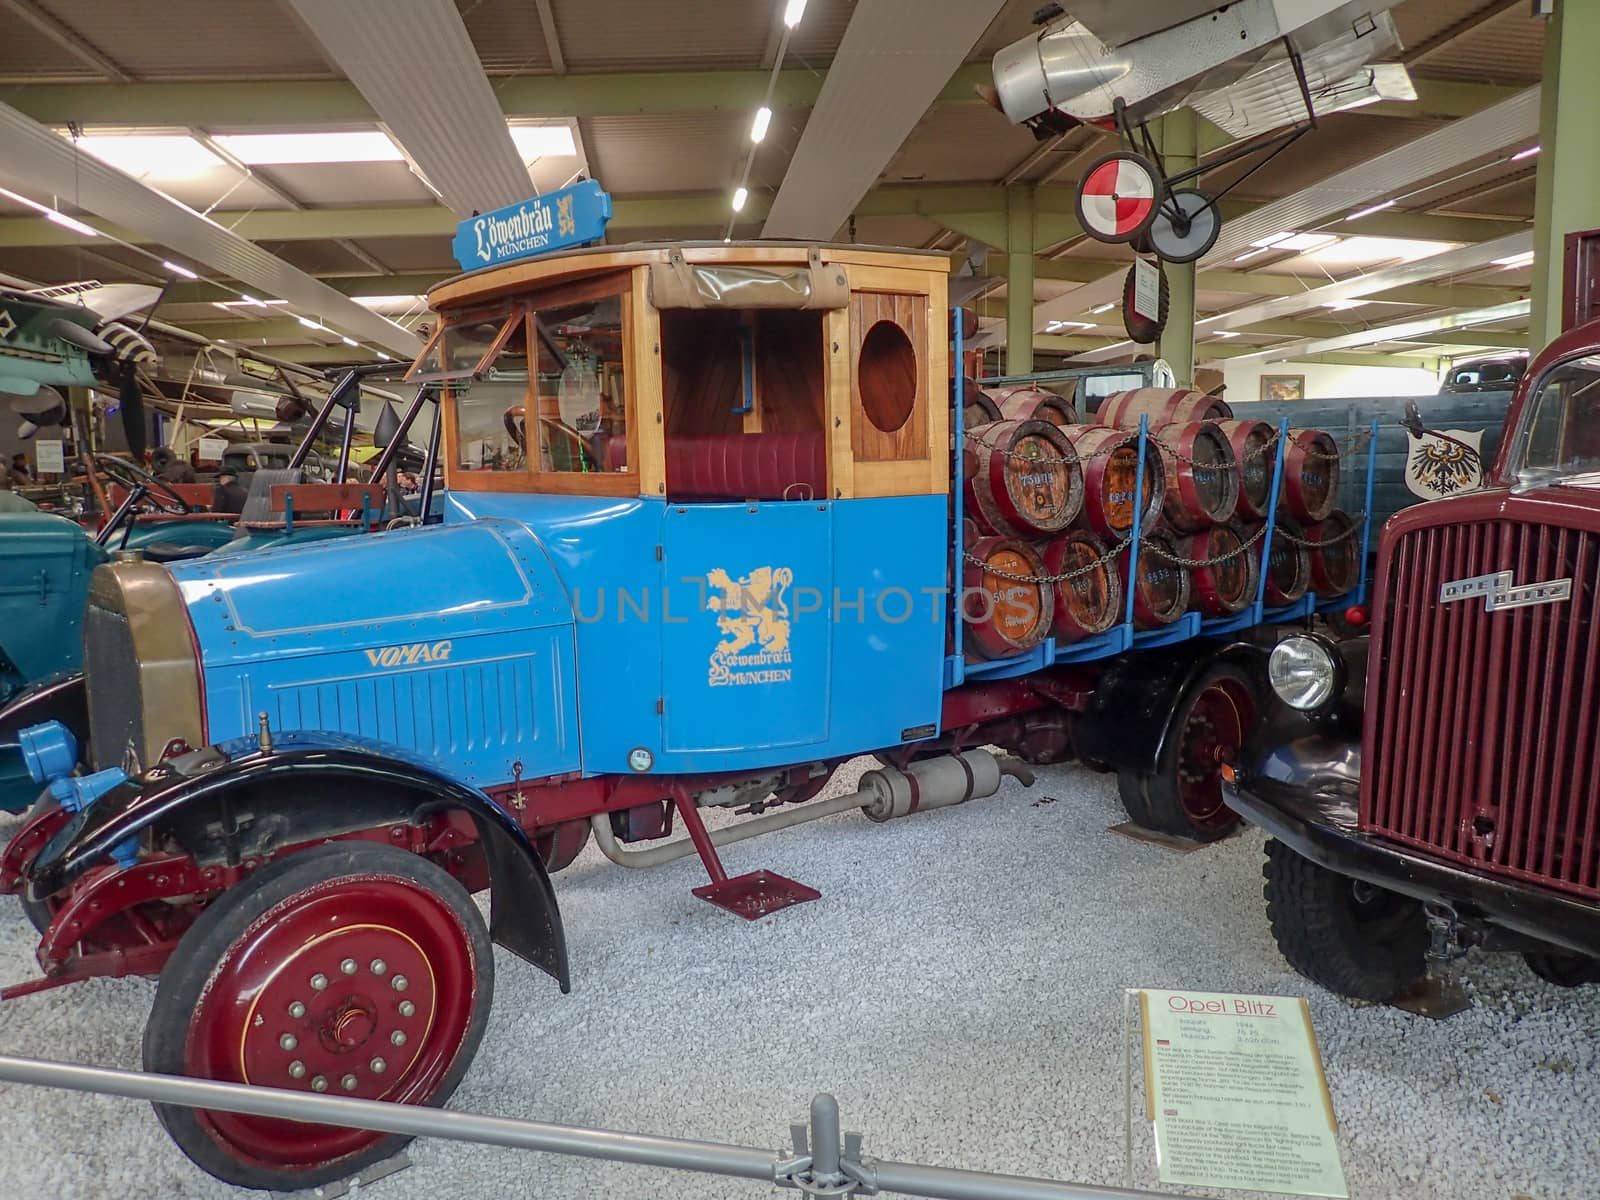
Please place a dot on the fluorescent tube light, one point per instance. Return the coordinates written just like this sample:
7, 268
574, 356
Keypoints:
793, 12
740, 195
1367, 212
177, 270
758, 127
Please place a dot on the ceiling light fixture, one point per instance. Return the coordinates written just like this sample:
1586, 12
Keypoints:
1522, 154
1367, 212
1515, 260
758, 127
152, 155
348, 341
1226, 333
793, 12
1249, 254
49, 213
740, 195
177, 270
309, 323
385, 357
543, 141
1101, 308
287, 149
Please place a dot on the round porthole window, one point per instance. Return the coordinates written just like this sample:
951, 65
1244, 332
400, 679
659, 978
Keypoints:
886, 373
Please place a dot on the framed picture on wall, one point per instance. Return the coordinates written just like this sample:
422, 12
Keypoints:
1283, 387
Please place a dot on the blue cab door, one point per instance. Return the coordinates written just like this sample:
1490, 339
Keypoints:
747, 627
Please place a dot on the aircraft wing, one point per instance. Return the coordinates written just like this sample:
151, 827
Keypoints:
1337, 72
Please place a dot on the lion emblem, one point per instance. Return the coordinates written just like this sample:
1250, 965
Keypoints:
753, 618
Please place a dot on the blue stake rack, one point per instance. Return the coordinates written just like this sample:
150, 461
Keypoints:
1123, 636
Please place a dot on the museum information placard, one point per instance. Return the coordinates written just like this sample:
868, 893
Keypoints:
1234, 1085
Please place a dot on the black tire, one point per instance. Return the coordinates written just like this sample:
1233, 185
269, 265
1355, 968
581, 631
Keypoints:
1563, 970
191, 970
1141, 328
1133, 791
1354, 939
1162, 801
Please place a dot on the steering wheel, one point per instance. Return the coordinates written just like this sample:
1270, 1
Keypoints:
131, 475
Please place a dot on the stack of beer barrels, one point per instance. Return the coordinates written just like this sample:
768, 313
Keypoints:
1047, 497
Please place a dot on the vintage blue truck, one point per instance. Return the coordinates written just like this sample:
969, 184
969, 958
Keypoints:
698, 548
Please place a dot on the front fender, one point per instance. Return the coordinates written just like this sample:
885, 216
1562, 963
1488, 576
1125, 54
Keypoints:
1129, 717
242, 795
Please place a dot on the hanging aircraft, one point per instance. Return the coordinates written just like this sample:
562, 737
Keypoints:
1260, 70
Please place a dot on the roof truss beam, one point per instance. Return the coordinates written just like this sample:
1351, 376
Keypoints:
306, 104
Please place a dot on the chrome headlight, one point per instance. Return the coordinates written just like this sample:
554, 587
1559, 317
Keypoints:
1305, 671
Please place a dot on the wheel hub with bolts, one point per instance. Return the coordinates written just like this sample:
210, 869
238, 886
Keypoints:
332, 1032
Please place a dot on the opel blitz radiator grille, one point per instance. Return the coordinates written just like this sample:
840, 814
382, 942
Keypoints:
1483, 714
111, 676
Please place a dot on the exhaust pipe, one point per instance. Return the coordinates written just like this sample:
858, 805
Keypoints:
883, 795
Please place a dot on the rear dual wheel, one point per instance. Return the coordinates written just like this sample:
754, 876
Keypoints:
350, 969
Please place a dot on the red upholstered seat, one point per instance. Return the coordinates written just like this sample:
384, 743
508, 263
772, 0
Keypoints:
747, 466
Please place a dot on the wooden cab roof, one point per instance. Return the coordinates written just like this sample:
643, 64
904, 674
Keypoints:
491, 283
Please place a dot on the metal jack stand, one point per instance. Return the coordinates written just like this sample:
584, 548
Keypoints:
819, 1167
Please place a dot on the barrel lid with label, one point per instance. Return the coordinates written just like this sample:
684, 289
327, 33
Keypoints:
1110, 459
1022, 478
1005, 610
1089, 602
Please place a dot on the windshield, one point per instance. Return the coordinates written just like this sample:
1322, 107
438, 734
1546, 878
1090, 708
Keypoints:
1560, 435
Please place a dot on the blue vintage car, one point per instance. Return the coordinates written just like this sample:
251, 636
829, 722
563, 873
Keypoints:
697, 549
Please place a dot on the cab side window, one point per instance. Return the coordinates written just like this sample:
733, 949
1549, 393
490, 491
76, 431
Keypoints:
580, 419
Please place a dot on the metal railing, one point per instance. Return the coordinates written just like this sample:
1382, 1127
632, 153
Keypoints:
822, 1160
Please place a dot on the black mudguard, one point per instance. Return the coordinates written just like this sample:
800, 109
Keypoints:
237, 801
1129, 718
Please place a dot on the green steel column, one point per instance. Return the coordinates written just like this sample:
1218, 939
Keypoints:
1179, 147
1019, 279
1568, 184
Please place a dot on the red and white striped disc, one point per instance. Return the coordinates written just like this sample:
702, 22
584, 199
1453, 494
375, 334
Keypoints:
1118, 196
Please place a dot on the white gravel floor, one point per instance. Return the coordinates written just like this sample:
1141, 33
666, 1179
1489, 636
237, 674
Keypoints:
958, 987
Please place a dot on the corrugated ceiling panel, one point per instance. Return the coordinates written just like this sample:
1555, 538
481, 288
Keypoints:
196, 39
336, 185
1420, 21
1508, 48
508, 35
818, 36
411, 253
26, 55
667, 152
416, 66
605, 35
1515, 199
960, 142
896, 57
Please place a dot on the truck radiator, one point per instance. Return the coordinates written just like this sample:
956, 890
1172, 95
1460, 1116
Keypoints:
111, 674
1483, 725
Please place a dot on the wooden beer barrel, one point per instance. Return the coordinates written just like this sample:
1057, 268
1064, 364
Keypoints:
1202, 475
1289, 567
1310, 474
1110, 463
1029, 403
1022, 478
977, 406
1164, 406
1335, 554
1255, 448
1162, 594
1001, 616
1088, 603
1227, 584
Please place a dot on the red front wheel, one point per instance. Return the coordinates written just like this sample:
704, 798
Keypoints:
350, 969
